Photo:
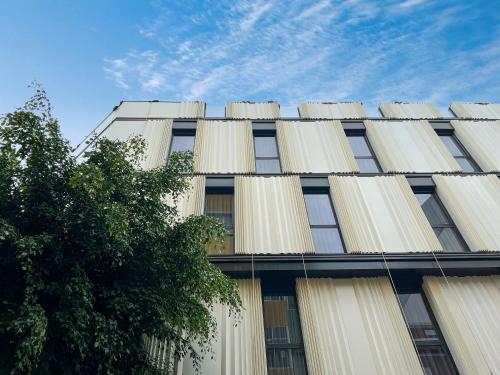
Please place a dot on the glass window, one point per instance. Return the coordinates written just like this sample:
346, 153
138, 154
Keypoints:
430, 344
324, 227
443, 226
367, 162
359, 146
284, 345
266, 155
263, 166
266, 147
221, 207
182, 143
460, 154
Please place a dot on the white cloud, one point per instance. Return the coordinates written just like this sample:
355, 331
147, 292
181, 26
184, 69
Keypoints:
318, 50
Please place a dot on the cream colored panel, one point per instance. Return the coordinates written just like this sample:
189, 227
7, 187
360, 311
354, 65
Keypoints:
253, 111
239, 346
341, 110
354, 326
190, 110
381, 214
468, 312
271, 216
474, 205
149, 109
409, 147
224, 147
156, 134
410, 110
314, 147
490, 111
192, 201
482, 140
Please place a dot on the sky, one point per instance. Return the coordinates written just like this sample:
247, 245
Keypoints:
90, 55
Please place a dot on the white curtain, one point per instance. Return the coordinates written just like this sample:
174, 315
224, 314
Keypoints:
354, 326
342, 110
468, 312
381, 214
253, 111
473, 203
490, 111
239, 346
410, 110
314, 147
481, 139
156, 134
271, 216
409, 147
224, 147
172, 110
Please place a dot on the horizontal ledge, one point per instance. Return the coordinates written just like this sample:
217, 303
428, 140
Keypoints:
352, 265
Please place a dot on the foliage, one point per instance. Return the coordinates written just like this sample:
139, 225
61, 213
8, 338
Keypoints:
91, 256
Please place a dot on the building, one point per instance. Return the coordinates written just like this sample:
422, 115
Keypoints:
361, 245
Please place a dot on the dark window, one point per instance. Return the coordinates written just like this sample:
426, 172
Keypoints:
367, 162
441, 222
431, 346
266, 154
284, 345
182, 143
324, 227
221, 206
460, 153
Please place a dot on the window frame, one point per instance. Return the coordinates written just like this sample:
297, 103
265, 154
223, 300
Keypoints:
222, 190
451, 224
266, 133
445, 129
321, 190
358, 129
417, 289
283, 291
181, 132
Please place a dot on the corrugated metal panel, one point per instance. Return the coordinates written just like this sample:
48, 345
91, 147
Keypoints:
149, 109
473, 203
224, 147
381, 214
354, 326
271, 216
326, 110
488, 111
253, 111
410, 111
156, 134
409, 147
238, 346
467, 311
482, 140
314, 147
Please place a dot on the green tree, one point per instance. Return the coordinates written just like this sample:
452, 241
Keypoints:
91, 256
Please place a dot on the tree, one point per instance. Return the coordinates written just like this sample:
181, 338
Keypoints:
92, 257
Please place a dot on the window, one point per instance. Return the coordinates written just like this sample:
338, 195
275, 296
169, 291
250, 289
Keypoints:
220, 205
284, 346
324, 227
460, 154
363, 154
443, 226
431, 346
266, 154
182, 141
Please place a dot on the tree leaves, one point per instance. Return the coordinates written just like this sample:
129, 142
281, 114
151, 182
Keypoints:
92, 257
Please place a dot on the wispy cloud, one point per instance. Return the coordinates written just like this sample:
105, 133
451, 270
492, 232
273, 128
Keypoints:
316, 50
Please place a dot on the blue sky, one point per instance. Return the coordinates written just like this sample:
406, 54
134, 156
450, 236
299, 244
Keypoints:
89, 55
